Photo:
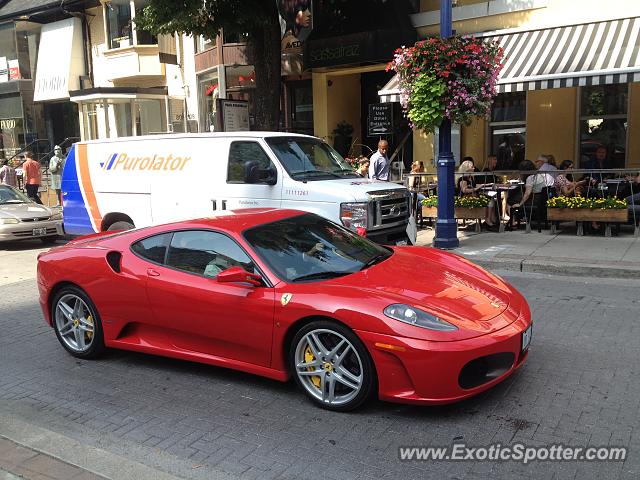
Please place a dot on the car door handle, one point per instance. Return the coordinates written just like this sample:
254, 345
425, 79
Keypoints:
153, 273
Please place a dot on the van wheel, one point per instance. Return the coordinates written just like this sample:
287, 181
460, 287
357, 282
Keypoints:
120, 226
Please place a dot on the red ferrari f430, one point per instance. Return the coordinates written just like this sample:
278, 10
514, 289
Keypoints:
283, 293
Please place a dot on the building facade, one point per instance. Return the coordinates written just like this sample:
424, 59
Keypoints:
569, 83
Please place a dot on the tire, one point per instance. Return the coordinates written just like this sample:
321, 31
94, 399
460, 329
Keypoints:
122, 225
77, 323
345, 377
49, 240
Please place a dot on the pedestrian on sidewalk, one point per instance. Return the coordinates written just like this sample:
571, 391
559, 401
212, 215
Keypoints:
379, 167
8, 174
32, 177
56, 164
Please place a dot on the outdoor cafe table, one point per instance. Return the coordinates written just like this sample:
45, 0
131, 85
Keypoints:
501, 189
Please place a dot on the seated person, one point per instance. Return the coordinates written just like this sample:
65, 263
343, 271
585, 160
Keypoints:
534, 183
565, 184
467, 186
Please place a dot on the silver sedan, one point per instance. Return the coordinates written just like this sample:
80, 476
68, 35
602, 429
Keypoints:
21, 218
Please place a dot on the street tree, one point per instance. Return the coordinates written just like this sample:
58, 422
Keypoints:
257, 19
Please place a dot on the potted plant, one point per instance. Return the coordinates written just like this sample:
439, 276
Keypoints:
342, 136
468, 207
581, 209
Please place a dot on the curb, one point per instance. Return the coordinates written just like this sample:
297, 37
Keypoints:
567, 269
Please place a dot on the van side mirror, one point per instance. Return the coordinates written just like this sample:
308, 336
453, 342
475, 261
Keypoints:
254, 174
239, 275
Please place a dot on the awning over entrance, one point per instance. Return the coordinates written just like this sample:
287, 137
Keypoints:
574, 55
391, 91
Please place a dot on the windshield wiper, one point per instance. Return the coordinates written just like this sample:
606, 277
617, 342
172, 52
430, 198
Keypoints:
344, 171
376, 259
12, 200
320, 275
316, 172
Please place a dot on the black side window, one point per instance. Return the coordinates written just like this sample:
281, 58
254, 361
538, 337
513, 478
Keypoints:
152, 248
206, 253
241, 153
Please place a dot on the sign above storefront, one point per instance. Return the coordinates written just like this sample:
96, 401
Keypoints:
60, 60
373, 46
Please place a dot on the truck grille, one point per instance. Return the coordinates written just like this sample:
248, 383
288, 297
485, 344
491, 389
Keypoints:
388, 208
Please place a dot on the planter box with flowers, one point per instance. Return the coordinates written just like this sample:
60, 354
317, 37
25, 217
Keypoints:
580, 209
466, 208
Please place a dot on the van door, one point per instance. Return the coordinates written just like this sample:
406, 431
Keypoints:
253, 180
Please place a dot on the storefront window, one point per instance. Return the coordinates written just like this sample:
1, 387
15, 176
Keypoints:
8, 54
301, 107
508, 129
124, 117
241, 85
208, 93
603, 124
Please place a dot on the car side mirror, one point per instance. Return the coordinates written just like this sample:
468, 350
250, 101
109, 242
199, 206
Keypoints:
254, 174
239, 275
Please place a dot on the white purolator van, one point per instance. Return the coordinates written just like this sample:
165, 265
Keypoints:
138, 181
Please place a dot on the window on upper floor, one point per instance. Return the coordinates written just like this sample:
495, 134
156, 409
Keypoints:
119, 18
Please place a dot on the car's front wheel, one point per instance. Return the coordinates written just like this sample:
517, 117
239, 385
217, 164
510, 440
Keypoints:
332, 366
77, 323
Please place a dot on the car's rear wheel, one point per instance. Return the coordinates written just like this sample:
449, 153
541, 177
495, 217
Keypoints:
121, 226
77, 323
332, 366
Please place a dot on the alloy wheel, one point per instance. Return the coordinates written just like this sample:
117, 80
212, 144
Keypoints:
75, 323
329, 367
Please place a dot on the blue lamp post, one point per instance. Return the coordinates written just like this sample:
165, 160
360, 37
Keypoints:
446, 226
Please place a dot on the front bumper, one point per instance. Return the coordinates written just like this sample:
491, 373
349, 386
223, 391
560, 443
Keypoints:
425, 372
25, 230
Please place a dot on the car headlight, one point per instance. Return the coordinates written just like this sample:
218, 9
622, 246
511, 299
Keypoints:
56, 216
9, 221
417, 317
354, 215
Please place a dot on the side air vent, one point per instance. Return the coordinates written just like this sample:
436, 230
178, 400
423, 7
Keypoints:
113, 259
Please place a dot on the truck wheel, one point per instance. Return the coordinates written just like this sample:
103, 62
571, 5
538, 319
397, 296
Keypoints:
120, 226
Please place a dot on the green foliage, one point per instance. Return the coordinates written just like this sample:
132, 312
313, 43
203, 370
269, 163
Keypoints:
608, 203
466, 201
426, 104
344, 129
198, 17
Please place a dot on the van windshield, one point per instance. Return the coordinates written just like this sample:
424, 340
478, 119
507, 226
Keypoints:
308, 159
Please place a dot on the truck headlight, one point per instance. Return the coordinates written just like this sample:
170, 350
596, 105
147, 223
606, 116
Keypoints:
354, 215
56, 216
417, 317
9, 221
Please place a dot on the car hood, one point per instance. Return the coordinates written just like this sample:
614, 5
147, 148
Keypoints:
443, 284
24, 211
362, 189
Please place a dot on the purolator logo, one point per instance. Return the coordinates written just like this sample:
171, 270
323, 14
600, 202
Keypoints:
122, 161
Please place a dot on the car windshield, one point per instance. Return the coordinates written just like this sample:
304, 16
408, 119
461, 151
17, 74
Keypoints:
309, 159
9, 195
310, 248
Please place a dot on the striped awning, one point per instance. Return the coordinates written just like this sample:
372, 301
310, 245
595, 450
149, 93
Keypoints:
391, 91
596, 53
575, 55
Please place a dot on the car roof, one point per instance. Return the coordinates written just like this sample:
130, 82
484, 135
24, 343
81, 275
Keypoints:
175, 136
229, 221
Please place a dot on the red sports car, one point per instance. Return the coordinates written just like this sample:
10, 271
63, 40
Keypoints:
283, 293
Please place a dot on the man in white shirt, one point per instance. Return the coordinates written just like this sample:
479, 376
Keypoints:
379, 166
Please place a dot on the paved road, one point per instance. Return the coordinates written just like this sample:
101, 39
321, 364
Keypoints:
129, 414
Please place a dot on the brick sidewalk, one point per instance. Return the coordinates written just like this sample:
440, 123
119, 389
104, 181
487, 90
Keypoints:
33, 465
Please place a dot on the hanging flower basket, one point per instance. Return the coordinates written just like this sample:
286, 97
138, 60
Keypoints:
452, 78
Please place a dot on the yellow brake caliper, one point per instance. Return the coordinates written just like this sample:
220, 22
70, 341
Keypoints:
309, 357
90, 334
